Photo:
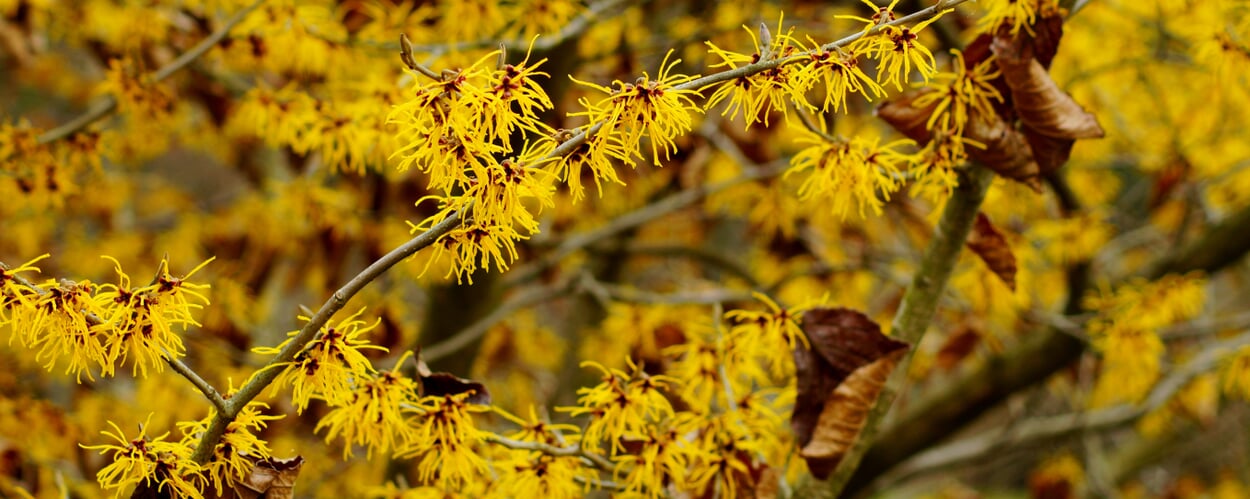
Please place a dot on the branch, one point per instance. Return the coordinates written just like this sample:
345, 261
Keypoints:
750, 69
597, 460
106, 105
709, 257
265, 375
920, 303
209, 392
628, 294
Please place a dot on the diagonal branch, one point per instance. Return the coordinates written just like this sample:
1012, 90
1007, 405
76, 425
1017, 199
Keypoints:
265, 375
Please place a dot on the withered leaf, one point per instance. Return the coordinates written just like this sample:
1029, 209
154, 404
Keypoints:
957, 347
1045, 40
1006, 150
271, 479
839, 379
909, 120
440, 384
1037, 99
989, 244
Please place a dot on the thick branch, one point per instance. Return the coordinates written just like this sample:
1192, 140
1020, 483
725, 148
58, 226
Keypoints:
920, 303
108, 104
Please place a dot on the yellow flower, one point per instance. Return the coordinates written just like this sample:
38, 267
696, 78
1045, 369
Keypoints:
664, 457
59, 328
326, 367
839, 70
1013, 13
15, 298
961, 96
654, 108
141, 320
850, 174
896, 49
620, 406
595, 154
238, 449
150, 461
770, 90
446, 439
373, 414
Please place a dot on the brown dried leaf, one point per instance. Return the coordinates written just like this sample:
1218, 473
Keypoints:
839, 380
909, 120
1037, 99
1049, 152
957, 347
1045, 41
441, 384
1006, 150
271, 479
989, 244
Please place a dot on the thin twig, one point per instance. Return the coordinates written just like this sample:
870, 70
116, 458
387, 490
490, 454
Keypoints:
108, 104
207, 389
265, 375
616, 292
597, 460
709, 257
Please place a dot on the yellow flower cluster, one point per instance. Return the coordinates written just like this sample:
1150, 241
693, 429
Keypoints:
97, 327
1126, 332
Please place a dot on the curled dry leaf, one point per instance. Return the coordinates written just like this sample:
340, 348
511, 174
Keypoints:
958, 346
271, 479
988, 243
1006, 150
902, 114
440, 384
1051, 119
839, 379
